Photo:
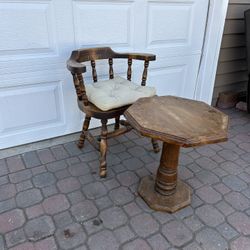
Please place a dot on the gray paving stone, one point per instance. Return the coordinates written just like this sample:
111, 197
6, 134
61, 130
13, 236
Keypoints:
49, 190
103, 202
76, 238
20, 176
113, 217
158, 242
45, 156
237, 201
28, 198
55, 204
15, 163
56, 166
68, 185
63, 219
133, 164
124, 234
184, 213
79, 169
22, 186
193, 223
209, 239
210, 215
3, 167
132, 209
111, 184
89, 156
117, 148
227, 231
15, 237
241, 222
59, 152
127, 178
234, 183
44, 180
72, 149
7, 205
231, 167
209, 195
94, 190
121, 196
241, 243
4, 180
144, 225
206, 163
31, 159
206, 151
84, 211
192, 246
7, 191
225, 208
2, 243
104, 240
207, 177
11, 220
137, 244
228, 154
137, 151
177, 233
39, 228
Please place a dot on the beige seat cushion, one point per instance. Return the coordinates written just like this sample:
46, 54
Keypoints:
115, 93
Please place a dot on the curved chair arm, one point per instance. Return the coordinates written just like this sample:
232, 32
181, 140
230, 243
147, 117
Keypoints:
75, 67
137, 56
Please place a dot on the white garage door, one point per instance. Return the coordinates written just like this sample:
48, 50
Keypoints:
37, 99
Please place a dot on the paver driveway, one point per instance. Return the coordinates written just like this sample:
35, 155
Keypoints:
54, 199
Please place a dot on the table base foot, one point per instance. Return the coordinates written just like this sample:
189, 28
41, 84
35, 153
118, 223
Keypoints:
180, 199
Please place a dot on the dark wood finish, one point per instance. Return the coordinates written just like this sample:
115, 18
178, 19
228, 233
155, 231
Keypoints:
111, 70
178, 122
247, 25
84, 129
129, 72
103, 148
145, 73
77, 68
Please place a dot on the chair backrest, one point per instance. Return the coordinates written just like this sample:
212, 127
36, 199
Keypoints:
74, 64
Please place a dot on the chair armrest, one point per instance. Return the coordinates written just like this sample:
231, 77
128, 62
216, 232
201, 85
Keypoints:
137, 56
75, 67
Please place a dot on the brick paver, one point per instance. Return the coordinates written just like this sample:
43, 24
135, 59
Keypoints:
54, 199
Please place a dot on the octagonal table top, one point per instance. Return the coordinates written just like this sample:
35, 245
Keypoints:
178, 121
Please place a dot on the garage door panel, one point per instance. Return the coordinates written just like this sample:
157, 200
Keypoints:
31, 107
176, 27
175, 76
32, 18
104, 23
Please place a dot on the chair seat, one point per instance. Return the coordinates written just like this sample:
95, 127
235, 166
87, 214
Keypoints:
115, 93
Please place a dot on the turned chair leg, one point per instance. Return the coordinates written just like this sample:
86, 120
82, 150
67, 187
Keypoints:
103, 149
84, 129
155, 145
117, 122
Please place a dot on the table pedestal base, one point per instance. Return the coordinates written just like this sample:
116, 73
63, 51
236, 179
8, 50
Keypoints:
180, 199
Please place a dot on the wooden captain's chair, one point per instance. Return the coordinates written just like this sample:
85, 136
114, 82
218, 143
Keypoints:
107, 99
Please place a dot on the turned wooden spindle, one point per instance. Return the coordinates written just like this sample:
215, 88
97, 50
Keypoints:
129, 73
94, 74
145, 73
111, 70
80, 88
117, 122
103, 149
83, 133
